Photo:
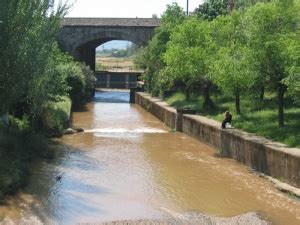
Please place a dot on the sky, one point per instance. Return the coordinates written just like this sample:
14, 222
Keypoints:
124, 8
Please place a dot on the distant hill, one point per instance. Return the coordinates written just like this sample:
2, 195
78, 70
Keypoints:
118, 44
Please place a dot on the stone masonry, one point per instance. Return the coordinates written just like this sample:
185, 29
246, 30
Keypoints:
81, 36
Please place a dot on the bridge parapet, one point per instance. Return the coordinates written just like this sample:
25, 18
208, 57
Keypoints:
111, 22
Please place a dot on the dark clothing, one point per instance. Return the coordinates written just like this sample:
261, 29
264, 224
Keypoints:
227, 119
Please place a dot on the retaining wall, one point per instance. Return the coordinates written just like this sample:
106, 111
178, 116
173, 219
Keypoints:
271, 158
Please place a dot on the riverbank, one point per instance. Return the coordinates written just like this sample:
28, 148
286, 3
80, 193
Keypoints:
18, 149
199, 219
125, 159
20, 145
257, 116
260, 154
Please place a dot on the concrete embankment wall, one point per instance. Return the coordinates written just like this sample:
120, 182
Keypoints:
271, 158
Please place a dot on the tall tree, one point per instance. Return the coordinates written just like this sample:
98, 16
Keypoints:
187, 55
273, 35
151, 57
211, 9
232, 67
27, 39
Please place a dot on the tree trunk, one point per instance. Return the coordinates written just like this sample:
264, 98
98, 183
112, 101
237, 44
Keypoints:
207, 100
280, 97
262, 93
237, 103
187, 93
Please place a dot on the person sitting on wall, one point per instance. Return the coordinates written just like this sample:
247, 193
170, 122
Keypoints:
227, 119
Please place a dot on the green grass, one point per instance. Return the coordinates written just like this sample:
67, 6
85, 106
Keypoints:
256, 116
55, 115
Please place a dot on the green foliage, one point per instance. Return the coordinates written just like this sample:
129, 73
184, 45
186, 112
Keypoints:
27, 37
293, 84
48, 87
55, 116
34, 75
90, 81
211, 9
245, 4
173, 16
79, 79
232, 69
150, 58
187, 54
273, 34
22, 125
258, 117
75, 80
256, 48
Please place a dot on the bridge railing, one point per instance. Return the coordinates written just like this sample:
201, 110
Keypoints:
119, 69
117, 79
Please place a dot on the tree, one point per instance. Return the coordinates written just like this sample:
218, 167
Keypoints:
150, 58
273, 33
27, 39
244, 4
187, 55
293, 84
232, 67
211, 9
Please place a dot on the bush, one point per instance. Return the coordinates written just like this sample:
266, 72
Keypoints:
55, 116
80, 79
90, 81
75, 80
20, 124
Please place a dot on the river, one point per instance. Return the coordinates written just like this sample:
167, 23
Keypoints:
128, 165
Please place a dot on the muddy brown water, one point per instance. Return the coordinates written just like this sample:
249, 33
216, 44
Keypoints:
128, 165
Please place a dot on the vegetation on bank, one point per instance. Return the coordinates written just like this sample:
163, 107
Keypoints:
55, 117
232, 60
38, 86
19, 147
258, 116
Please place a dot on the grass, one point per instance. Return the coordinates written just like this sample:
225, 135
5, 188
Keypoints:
56, 115
114, 64
256, 116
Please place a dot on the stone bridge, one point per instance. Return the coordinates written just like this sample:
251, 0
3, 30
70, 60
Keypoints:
81, 36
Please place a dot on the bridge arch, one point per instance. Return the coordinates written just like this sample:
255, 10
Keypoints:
81, 36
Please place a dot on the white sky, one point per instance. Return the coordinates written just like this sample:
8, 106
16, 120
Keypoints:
124, 8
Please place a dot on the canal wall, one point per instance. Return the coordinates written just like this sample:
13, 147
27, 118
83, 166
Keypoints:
120, 80
265, 156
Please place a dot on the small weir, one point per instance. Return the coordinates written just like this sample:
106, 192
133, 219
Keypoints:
129, 168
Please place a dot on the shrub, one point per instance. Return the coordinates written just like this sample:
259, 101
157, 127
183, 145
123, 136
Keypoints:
55, 116
90, 81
